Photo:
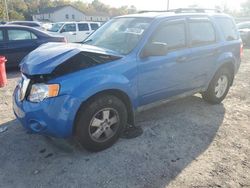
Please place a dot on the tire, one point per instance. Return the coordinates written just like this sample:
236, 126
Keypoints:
212, 95
100, 122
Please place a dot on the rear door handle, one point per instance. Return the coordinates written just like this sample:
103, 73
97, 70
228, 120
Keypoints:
181, 59
73, 33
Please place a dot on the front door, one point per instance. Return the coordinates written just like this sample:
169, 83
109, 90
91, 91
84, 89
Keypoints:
69, 32
164, 76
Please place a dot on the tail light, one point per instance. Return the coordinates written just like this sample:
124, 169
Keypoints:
241, 50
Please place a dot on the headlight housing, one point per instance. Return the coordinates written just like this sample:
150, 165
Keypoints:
41, 91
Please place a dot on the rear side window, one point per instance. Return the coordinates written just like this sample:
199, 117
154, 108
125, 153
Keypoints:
94, 26
173, 35
15, 34
1, 35
228, 28
83, 27
201, 33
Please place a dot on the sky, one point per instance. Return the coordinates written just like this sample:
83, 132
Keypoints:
162, 4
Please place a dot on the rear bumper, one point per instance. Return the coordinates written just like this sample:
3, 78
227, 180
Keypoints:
53, 117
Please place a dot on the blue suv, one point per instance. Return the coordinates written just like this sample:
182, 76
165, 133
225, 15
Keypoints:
92, 90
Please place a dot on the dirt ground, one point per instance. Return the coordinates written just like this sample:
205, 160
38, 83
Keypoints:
186, 143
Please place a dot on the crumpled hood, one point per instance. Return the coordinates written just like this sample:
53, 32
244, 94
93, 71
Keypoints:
48, 56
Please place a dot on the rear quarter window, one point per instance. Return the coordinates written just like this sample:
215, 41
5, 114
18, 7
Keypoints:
228, 28
94, 26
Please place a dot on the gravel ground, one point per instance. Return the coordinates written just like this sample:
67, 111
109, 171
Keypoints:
186, 143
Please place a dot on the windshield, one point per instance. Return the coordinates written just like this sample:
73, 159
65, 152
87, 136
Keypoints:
120, 34
55, 27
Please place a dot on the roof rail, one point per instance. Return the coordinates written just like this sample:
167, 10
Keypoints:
194, 10
185, 10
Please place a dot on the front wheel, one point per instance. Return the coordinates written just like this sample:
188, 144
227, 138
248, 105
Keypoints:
218, 87
100, 123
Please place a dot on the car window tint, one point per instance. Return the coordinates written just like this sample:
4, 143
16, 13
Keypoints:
69, 27
1, 35
229, 30
16, 34
94, 26
201, 33
173, 35
83, 27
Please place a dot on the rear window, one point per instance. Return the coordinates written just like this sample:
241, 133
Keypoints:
1, 35
202, 33
228, 28
244, 26
83, 27
94, 26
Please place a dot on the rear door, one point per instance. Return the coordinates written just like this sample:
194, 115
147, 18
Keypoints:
20, 43
83, 31
69, 32
204, 49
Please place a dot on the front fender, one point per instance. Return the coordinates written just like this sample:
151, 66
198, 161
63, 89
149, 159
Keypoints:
106, 82
83, 86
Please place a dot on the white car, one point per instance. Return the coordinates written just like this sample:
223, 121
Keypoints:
74, 31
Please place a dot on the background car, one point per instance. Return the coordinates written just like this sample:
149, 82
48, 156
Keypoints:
17, 41
33, 24
244, 29
74, 31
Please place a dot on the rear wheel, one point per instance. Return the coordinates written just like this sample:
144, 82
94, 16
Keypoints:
100, 123
218, 87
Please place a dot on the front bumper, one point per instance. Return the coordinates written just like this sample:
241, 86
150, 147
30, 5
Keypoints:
53, 116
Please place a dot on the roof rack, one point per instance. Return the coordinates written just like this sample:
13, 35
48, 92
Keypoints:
185, 10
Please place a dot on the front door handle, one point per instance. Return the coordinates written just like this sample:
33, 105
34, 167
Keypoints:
73, 33
181, 59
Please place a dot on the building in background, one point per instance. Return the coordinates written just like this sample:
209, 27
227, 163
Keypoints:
66, 13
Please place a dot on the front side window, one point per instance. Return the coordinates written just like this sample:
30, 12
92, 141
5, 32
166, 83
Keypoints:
202, 33
55, 27
228, 29
1, 35
69, 28
173, 35
120, 34
15, 34
83, 27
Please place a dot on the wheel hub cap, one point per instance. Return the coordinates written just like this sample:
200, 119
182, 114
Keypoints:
104, 125
221, 86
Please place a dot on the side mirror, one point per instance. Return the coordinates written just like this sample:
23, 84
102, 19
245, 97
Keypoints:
62, 30
155, 49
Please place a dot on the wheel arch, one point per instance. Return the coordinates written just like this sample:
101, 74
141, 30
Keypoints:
115, 92
229, 65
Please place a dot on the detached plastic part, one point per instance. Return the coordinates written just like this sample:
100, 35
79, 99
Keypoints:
132, 131
3, 77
